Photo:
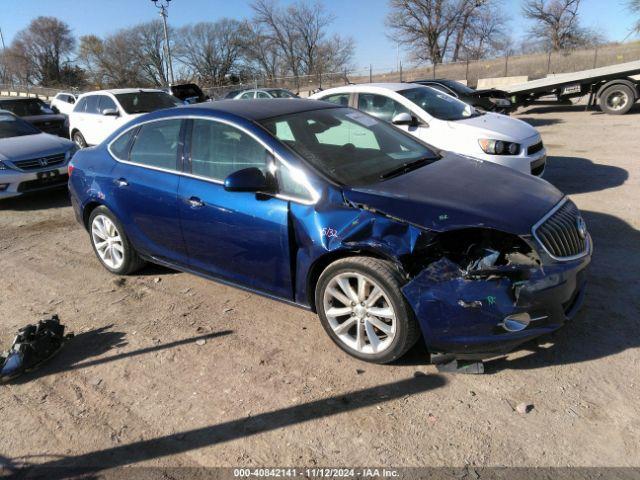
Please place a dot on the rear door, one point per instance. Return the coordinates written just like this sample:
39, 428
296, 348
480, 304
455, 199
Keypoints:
90, 121
145, 186
241, 237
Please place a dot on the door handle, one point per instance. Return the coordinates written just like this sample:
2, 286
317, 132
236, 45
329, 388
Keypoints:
121, 182
195, 202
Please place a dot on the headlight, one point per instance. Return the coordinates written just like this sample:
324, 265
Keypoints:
499, 147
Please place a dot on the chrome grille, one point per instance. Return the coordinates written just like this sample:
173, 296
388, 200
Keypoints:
535, 148
562, 232
42, 162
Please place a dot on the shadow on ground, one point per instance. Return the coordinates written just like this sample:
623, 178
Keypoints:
580, 175
81, 351
57, 198
555, 108
189, 440
541, 122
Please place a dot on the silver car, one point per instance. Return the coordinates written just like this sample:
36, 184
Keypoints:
30, 160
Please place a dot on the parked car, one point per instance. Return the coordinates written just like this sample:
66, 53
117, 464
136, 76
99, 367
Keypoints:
37, 113
447, 123
264, 93
30, 160
489, 100
338, 212
98, 114
188, 93
63, 102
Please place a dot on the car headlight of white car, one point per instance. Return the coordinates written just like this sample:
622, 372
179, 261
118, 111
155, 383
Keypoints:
498, 147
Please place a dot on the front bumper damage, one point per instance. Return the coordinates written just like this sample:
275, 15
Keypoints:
464, 315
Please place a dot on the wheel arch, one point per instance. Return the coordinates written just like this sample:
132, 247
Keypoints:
87, 210
619, 81
322, 262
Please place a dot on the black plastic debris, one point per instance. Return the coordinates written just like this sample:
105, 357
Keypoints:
33, 346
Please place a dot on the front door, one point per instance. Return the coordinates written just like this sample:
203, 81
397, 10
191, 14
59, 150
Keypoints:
240, 237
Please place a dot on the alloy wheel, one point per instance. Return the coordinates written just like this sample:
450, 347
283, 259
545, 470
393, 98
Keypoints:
360, 313
617, 100
108, 242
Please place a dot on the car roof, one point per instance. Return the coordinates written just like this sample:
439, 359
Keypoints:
261, 109
116, 91
371, 87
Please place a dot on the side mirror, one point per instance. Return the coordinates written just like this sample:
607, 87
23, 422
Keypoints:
246, 180
110, 112
405, 119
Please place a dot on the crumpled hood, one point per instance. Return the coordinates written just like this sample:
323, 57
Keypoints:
494, 126
458, 192
32, 146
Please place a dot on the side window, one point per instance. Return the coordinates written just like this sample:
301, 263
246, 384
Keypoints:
262, 95
380, 106
92, 104
156, 144
81, 105
247, 96
120, 147
71, 99
338, 99
218, 149
106, 102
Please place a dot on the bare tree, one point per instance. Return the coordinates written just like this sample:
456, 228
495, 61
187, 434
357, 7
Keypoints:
634, 8
431, 27
211, 50
299, 35
149, 43
261, 52
45, 46
557, 23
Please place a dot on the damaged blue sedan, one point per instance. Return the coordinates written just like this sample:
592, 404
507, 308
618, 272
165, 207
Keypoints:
332, 210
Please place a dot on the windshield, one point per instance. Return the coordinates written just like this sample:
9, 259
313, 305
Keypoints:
460, 88
143, 102
11, 126
26, 108
438, 104
348, 146
281, 94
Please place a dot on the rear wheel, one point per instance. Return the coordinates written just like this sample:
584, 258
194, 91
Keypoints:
617, 99
110, 243
79, 140
361, 307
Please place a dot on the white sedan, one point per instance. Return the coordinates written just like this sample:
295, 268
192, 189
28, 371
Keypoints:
447, 123
97, 115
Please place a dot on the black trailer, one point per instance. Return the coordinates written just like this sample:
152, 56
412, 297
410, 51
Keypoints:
614, 88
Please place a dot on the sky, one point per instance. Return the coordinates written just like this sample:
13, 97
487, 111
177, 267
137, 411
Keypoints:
361, 19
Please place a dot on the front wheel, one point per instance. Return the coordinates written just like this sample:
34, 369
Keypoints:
79, 140
361, 307
110, 243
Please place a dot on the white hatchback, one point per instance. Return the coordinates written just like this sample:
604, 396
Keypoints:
98, 114
447, 123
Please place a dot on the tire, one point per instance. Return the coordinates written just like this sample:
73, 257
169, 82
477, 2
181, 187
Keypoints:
122, 260
344, 321
79, 140
617, 99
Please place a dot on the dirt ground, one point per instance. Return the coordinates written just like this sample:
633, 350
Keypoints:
268, 388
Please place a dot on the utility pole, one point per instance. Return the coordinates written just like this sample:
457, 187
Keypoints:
162, 5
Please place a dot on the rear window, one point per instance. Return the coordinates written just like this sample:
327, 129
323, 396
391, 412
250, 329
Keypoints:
143, 102
26, 108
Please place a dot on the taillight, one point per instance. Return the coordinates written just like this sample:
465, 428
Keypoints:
70, 168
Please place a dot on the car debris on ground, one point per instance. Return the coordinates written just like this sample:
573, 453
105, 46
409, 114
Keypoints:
32, 346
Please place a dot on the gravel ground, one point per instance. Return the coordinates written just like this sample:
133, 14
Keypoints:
168, 369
